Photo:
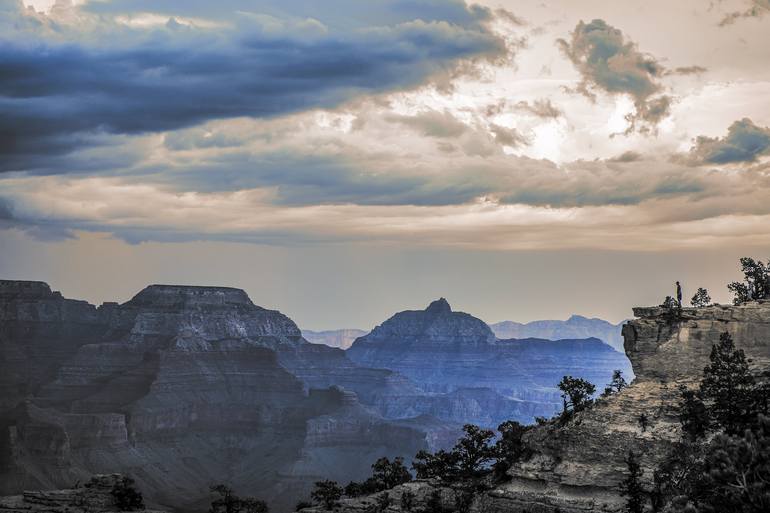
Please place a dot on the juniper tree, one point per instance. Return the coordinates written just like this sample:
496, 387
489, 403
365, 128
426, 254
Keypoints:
576, 394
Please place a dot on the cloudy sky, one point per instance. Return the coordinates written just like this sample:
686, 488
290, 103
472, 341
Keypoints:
342, 160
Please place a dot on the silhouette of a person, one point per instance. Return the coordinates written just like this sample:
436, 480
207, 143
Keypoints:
679, 294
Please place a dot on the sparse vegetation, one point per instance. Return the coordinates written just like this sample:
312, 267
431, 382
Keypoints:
701, 298
755, 284
631, 487
576, 395
617, 384
228, 502
469, 458
385, 475
731, 470
327, 494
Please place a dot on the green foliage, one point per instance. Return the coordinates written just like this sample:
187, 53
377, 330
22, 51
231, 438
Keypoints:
390, 473
407, 500
441, 464
474, 450
729, 386
731, 472
228, 502
576, 394
302, 505
736, 472
327, 493
755, 284
701, 298
693, 415
126, 496
631, 487
385, 475
510, 447
468, 458
617, 384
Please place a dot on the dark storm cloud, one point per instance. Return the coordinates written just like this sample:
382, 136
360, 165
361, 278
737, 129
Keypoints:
609, 62
745, 142
56, 91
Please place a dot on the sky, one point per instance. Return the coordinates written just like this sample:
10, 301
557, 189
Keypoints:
344, 160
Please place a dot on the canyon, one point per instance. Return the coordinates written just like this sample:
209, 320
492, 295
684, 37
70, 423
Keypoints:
182, 387
578, 467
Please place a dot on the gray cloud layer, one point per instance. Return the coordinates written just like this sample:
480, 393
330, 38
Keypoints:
609, 62
745, 142
59, 84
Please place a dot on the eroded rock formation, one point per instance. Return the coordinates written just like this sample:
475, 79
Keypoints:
182, 387
577, 468
470, 374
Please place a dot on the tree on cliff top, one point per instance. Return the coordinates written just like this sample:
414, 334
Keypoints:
701, 298
755, 284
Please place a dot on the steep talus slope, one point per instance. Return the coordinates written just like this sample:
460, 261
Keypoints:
471, 376
575, 327
578, 468
182, 387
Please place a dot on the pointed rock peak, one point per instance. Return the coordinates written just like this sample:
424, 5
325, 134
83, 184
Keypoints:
439, 306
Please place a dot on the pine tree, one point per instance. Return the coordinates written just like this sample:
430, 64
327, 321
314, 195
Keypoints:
729, 386
631, 487
701, 298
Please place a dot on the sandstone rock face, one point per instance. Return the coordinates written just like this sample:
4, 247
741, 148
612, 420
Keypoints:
578, 468
342, 339
92, 497
470, 375
182, 387
575, 327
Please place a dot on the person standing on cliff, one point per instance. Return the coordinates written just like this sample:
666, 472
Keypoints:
679, 294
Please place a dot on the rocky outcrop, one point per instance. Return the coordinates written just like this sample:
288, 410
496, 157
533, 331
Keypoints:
578, 468
94, 496
575, 327
342, 339
183, 387
469, 375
